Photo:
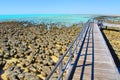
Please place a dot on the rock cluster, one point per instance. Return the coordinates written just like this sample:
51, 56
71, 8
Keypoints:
29, 52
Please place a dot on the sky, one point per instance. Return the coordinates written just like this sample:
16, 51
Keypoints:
59, 6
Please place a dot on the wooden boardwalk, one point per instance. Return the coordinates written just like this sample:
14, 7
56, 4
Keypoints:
94, 61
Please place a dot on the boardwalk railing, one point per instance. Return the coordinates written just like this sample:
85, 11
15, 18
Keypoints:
64, 65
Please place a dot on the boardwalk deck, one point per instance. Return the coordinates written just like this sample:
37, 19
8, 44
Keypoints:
94, 62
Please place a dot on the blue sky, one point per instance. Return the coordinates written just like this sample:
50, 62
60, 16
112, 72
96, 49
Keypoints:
60, 6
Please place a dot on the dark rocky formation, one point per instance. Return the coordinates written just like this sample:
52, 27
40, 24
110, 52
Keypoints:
27, 51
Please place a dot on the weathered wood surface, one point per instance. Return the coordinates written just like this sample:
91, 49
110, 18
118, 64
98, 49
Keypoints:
95, 61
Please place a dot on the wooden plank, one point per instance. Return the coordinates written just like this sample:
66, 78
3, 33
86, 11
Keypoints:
97, 63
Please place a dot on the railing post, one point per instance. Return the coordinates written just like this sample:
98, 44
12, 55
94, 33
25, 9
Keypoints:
71, 57
60, 68
68, 67
75, 47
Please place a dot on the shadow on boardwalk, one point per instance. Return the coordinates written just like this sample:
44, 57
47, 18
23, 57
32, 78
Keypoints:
116, 59
94, 61
86, 47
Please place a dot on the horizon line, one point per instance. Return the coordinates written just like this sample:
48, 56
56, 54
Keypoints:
63, 13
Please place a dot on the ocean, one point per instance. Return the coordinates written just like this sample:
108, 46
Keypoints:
66, 19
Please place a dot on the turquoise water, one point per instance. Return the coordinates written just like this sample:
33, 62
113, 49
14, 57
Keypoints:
47, 18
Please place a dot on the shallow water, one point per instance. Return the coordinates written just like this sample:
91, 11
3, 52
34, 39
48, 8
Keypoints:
66, 19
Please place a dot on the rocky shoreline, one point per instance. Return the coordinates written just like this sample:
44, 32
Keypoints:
29, 52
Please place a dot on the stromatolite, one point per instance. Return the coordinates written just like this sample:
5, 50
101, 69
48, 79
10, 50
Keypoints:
33, 48
31, 76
